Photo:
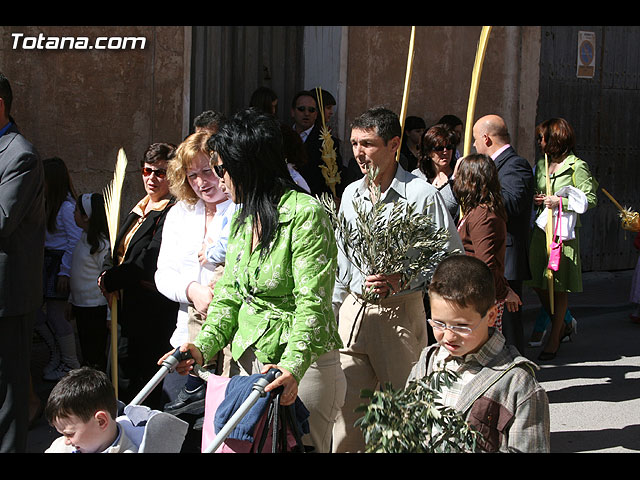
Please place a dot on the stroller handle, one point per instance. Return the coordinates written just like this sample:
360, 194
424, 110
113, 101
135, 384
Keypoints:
168, 365
176, 357
272, 374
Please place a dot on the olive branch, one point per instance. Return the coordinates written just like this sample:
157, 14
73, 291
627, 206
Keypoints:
414, 419
388, 238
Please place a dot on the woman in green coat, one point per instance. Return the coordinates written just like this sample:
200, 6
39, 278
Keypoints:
557, 140
273, 302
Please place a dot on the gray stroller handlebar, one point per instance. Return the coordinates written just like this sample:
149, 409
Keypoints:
169, 365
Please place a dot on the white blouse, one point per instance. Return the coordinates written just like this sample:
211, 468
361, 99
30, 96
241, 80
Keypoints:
183, 236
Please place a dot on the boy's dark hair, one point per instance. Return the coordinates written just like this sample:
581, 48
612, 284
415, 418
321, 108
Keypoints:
82, 392
465, 281
383, 121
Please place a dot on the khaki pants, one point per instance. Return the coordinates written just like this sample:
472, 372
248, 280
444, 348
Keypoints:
322, 391
382, 348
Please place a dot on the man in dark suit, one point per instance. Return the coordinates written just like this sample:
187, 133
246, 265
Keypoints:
22, 227
308, 124
491, 137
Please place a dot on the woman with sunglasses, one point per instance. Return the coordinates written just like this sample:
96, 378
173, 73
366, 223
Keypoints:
435, 166
273, 302
147, 317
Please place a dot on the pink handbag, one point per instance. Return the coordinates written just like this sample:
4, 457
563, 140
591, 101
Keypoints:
555, 248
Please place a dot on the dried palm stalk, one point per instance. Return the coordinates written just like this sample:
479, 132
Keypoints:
629, 219
475, 82
407, 83
112, 199
330, 170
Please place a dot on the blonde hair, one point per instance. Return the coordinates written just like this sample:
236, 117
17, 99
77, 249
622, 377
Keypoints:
186, 152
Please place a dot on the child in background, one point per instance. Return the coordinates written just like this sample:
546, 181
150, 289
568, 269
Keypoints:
496, 389
62, 234
83, 408
89, 306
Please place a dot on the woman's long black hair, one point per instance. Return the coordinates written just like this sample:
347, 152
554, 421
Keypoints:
250, 146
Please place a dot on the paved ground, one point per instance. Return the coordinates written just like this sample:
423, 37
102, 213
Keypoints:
593, 384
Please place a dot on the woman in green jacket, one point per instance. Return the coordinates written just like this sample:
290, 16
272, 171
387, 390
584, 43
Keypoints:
273, 302
557, 140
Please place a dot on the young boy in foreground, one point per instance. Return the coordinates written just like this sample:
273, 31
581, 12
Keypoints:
83, 408
496, 391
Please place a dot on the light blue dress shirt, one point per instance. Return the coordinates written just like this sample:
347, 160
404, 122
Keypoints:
406, 188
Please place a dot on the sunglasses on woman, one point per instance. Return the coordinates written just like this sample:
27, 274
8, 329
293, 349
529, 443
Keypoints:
159, 172
219, 169
442, 147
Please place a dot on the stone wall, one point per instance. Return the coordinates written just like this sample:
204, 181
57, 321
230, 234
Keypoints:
78, 101
441, 76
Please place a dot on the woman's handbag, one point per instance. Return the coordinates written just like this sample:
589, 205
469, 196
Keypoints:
555, 248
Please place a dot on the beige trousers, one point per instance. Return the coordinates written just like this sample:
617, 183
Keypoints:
382, 348
322, 390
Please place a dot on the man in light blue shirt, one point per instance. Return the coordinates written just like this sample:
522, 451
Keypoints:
383, 340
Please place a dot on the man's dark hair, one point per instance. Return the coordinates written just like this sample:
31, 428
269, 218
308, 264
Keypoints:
302, 93
6, 94
464, 281
209, 119
82, 392
385, 123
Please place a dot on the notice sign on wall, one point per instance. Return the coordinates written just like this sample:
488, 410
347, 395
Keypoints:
586, 54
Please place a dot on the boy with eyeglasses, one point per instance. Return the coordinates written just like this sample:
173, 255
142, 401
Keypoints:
496, 389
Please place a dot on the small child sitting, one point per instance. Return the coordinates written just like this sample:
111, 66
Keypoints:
496, 389
83, 408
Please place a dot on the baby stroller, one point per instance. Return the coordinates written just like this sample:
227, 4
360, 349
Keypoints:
153, 431
240, 417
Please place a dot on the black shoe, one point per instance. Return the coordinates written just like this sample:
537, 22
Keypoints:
188, 402
547, 356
